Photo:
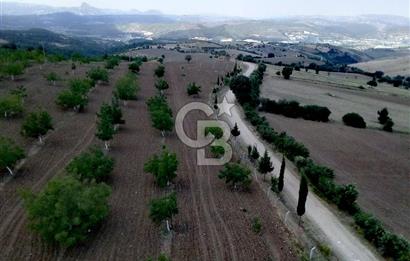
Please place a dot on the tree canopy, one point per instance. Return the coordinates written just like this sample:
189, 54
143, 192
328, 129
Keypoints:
234, 174
10, 154
163, 167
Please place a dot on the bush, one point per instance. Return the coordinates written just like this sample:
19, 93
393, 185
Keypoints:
388, 126
354, 120
372, 83
92, 165
163, 208
193, 89
112, 62
67, 210
134, 67
217, 151
256, 225
217, 132
347, 197
81, 86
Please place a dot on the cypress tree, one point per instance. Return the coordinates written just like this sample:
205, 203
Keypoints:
282, 174
303, 192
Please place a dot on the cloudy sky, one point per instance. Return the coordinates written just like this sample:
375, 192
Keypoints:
249, 8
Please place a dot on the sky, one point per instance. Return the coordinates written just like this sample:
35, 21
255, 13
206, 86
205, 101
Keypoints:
249, 8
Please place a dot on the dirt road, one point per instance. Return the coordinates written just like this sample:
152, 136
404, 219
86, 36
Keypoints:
343, 241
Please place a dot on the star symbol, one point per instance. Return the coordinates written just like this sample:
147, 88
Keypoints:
225, 107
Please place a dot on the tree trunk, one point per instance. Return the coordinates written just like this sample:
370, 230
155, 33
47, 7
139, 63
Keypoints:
54, 83
163, 134
106, 145
12, 77
168, 226
40, 139
10, 171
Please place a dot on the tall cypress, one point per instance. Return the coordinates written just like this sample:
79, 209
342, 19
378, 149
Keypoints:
303, 192
282, 174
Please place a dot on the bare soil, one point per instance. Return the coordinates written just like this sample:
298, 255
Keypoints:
211, 224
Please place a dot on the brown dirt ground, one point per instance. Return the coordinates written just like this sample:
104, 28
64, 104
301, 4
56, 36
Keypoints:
377, 162
210, 225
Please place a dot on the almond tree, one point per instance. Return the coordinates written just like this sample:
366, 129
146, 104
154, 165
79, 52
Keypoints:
164, 209
10, 154
37, 124
163, 167
105, 129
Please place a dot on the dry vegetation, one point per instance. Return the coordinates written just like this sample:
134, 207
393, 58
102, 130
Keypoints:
391, 66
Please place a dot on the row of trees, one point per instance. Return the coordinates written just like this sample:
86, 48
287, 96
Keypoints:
56, 214
321, 178
161, 114
293, 109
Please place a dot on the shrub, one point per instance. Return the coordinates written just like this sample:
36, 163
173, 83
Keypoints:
92, 165
347, 196
354, 120
193, 89
388, 126
161, 85
217, 132
81, 86
217, 151
372, 83
256, 225
57, 215
274, 184
241, 87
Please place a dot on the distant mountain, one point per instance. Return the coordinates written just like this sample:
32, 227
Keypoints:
14, 8
360, 32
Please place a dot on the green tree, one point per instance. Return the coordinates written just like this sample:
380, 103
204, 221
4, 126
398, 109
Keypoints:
10, 154
188, 58
193, 89
163, 167
161, 85
274, 184
20, 91
52, 78
105, 129
162, 121
67, 210
287, 72
265, 165
255, 154
134, 67
73, 100
160, 71
11, 106
235, 174
127, 88
98, 75
13, 69
383, 116
164, 209
91, 165
116, 112
217, 132
282, 175
80, 86
303, 193
256, 225
37, 124
111, 63
235, 131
